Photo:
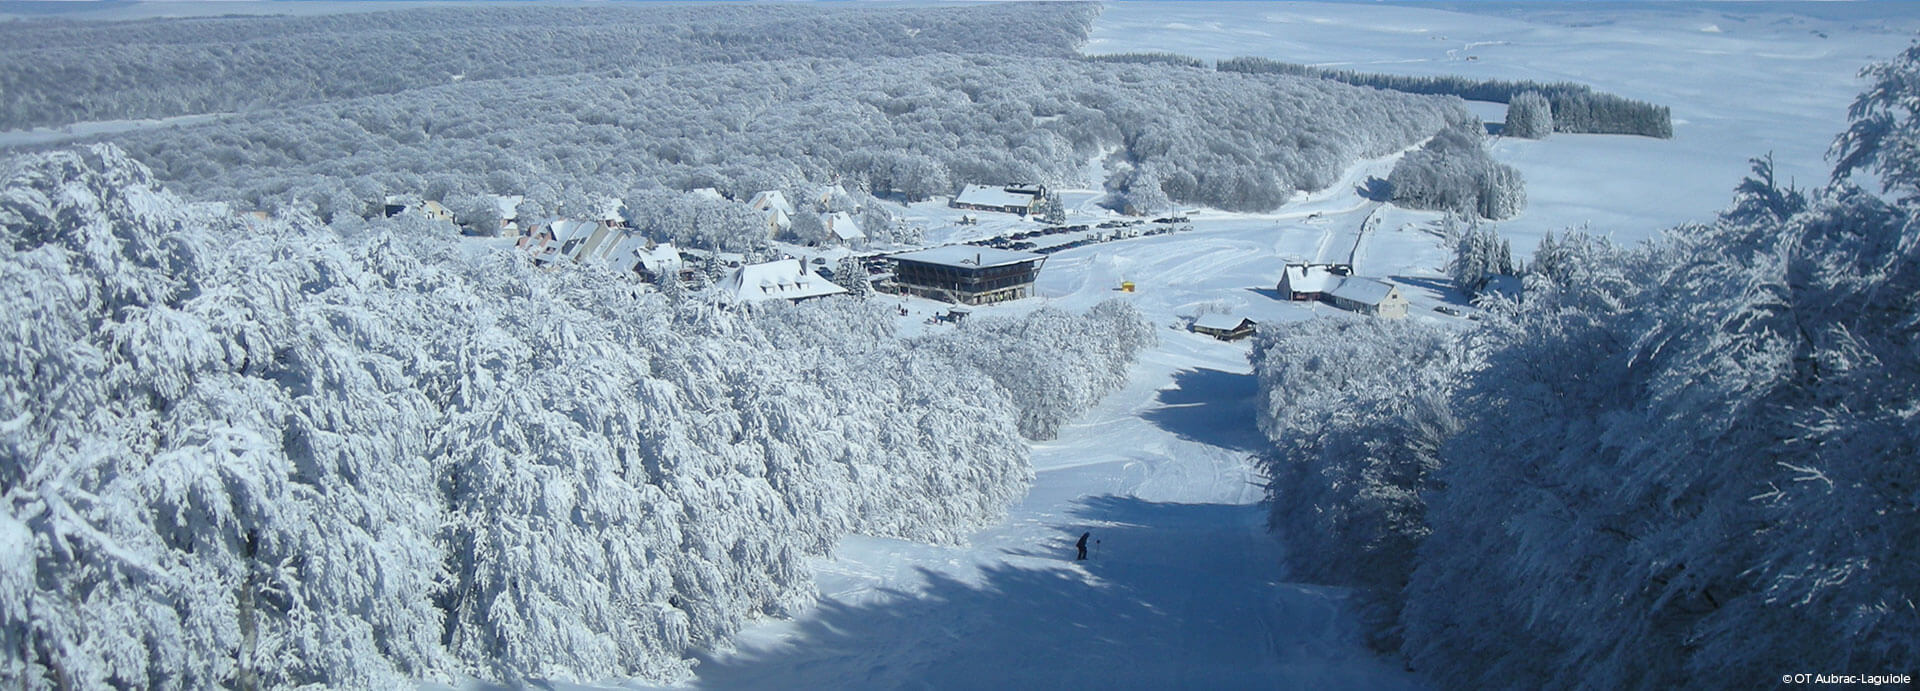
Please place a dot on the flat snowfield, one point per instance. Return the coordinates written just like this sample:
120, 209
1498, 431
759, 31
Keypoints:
1185, 587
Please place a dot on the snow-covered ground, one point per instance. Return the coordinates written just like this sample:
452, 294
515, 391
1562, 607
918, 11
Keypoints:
1185, 588
1742, 79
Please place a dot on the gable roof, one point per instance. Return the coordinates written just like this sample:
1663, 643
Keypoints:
1362, 290
772, 199
779, 219
1309, 278
784, 279
625, 254
659, 260
842, 226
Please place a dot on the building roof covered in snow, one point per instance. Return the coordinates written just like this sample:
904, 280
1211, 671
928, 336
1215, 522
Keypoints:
785, 279
707, 193
1219, 322
772, 199
1365, 291
660, 260
996, 197
625, 255
1309, 278
968, 256
842, 226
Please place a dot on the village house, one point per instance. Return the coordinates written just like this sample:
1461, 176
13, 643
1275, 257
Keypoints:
658, 262
1370, 297
1012, 199
786, 279
842, 229
1334, 284
399, 204
966, 274
1223, 327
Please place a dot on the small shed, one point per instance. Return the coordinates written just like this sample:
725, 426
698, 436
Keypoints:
1224, 327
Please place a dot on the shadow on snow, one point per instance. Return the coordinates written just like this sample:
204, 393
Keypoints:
1210, 406
1170, 599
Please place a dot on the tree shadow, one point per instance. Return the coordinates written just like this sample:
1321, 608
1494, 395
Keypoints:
1375, 190
1211, 407
1270, 292
1440, 286
1155, 607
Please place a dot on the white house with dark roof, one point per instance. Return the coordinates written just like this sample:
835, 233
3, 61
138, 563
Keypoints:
786, 279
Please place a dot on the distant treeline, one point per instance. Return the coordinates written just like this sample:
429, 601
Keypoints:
1577, 108
57, 72
1153, 58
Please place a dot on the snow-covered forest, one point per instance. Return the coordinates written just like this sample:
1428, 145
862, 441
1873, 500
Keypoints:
1688, 459
908, 102
911, 127
260, 453
58, 72
1452, 172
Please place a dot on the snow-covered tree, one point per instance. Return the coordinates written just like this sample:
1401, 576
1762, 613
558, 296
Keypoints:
1529, 116
1479, 254
1684, 460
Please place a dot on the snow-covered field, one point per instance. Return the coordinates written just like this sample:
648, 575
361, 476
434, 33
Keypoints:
1743, 79
1185, 588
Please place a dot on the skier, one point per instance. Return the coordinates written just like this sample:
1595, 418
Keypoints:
1082, 544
